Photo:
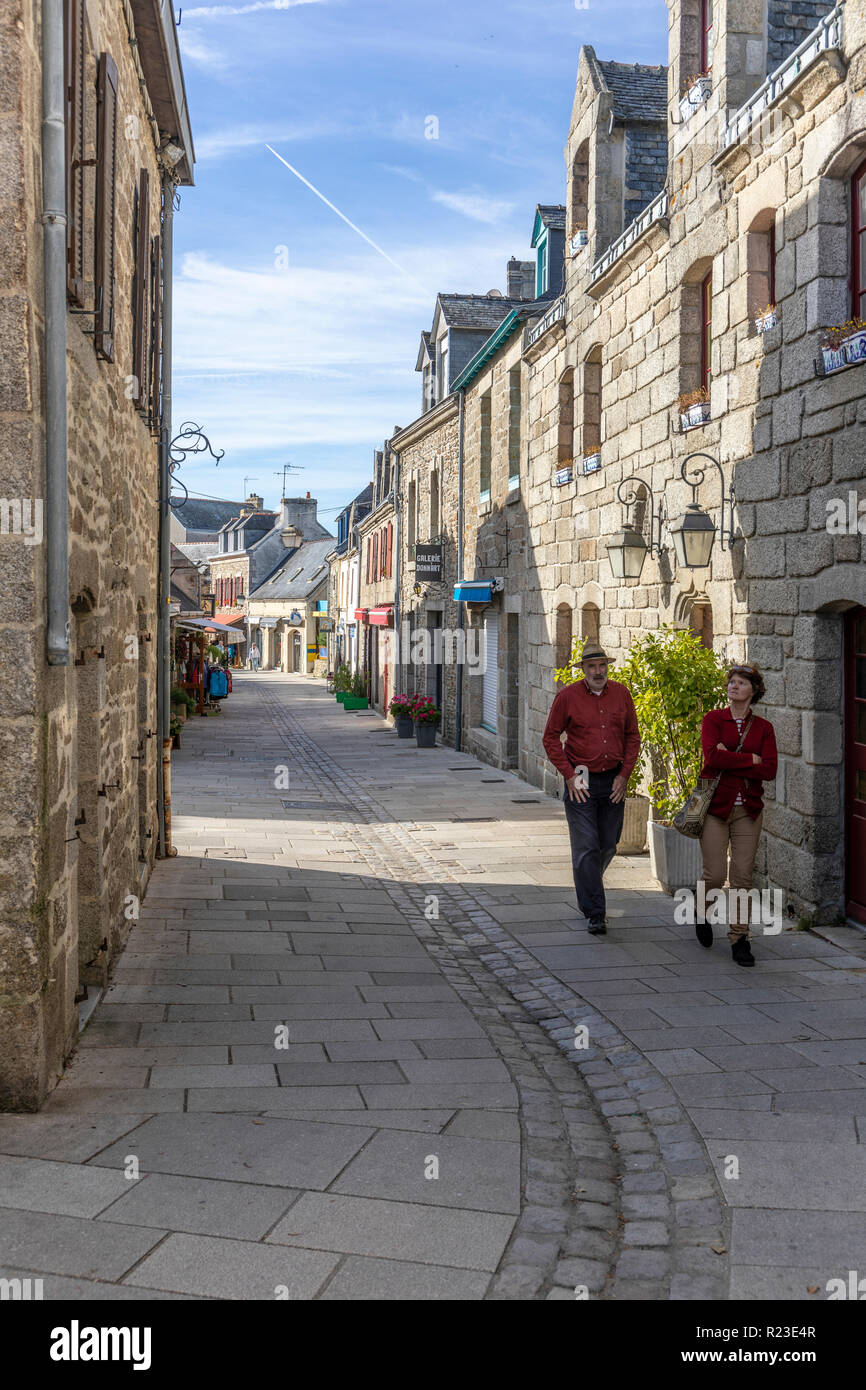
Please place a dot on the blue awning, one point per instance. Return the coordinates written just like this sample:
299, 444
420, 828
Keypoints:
473, 591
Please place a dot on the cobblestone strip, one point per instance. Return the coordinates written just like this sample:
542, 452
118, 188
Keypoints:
646, 1219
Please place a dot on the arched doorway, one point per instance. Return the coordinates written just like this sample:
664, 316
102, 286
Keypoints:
855, 764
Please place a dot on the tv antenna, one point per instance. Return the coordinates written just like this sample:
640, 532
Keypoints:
287, 468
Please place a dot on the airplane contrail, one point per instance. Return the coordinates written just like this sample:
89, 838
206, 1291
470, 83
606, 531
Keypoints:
342, 215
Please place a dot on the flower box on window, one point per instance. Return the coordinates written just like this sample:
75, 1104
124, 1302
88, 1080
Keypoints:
592, 462
564, 474
695, 92
579, 240
694, 408
844, 345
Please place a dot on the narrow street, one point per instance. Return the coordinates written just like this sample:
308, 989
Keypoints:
338, 1058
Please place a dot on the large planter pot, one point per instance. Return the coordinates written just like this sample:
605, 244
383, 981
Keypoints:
675, 860
404, 725
340, 695
356, 702
633, 837
425, 735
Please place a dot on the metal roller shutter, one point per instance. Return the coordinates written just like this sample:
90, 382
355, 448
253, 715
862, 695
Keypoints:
490, 679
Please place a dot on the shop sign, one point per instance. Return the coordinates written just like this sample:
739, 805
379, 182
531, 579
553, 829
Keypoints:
428, 562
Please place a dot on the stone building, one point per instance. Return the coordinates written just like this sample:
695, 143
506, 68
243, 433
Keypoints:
285, 611
763, 201
378, 547
95, 138
343, 590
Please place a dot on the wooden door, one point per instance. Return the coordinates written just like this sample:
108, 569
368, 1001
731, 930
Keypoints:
855, 764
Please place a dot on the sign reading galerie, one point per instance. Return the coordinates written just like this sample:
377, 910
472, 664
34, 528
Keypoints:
428, 562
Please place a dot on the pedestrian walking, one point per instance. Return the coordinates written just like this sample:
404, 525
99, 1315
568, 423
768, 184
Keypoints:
736, 813
601, 748
254, 657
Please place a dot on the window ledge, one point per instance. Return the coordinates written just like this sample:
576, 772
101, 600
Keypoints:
513, 494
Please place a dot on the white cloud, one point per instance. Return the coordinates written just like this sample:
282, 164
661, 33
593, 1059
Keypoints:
475, 205
195, 48
216, 143
227, 11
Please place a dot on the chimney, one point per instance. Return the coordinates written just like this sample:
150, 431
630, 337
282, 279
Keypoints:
298, 520
253, 503
520, 279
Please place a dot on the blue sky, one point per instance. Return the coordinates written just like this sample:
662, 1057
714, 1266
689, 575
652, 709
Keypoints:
295, 340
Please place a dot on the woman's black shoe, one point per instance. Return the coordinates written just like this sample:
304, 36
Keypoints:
704, 933
742, 952
597, 926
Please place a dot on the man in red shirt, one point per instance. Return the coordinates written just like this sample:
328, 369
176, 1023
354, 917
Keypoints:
601, 748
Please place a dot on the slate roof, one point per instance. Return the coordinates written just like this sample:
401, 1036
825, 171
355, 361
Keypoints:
204, 514
364, 499
256, 521
199, 552
640, 92
477, 310
285, 582
552, 215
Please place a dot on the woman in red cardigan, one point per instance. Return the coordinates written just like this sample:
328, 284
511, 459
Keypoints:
736, 811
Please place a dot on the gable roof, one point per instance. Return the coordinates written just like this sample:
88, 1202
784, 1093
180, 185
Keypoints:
473, 310
547, 215
640, 92
205, 514
425, 351
285, 582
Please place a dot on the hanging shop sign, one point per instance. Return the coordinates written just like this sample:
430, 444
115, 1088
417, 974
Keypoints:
295, 617
428, 562
326, 624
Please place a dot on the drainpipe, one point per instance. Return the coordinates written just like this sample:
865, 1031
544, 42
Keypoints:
163, 687
458, 739
54, 269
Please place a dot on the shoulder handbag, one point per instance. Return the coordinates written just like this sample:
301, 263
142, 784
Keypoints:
689, 820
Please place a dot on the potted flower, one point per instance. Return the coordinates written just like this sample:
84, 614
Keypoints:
674, 680
400, 710
356, 696
592, 461
579, 240
766, 318
696, 90
633, 839
174, 727
427, 719
851, 337
694, 407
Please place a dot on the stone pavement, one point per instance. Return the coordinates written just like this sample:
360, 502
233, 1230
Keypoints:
338, 1059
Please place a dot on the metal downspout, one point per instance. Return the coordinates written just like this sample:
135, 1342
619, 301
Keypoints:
395, 492
458, 738
54, 271
163, 689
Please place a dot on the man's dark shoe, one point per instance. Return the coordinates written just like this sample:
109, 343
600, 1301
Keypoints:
742, 952
597, 926
704, 933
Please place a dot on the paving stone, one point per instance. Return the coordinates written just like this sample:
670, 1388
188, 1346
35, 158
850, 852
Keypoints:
642, 1264
479, 1174
53, 1244
241, 1211
234, 1269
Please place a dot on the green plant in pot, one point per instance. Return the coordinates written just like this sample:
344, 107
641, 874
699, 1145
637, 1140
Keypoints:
342, 682
674, 681
356, 697
182, 703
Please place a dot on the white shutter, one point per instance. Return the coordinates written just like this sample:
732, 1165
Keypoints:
490, 679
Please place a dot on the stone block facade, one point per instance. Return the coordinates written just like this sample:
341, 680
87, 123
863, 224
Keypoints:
78, 826
671, 310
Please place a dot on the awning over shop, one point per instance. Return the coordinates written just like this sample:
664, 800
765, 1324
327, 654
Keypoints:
209, 625
473, 591
361, 614
229, 616
266, 622
383, 616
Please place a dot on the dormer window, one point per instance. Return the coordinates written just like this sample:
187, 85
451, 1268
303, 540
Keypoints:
542, 264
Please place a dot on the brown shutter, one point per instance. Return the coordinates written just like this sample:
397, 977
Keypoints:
156, 335
139, 293
106, 160
75, 77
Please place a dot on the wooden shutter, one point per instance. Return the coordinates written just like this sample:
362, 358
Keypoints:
140, 288
388, 569
156, 335
75, 73
106, 160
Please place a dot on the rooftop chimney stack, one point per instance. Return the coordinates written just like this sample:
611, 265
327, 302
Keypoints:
298, 520
520, 279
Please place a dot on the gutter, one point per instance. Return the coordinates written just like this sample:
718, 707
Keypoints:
54, 271
163, 677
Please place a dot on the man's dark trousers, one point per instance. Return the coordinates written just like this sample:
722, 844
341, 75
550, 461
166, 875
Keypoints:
595, 827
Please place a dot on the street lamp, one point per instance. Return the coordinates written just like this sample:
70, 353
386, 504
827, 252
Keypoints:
627, 550
693, 535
